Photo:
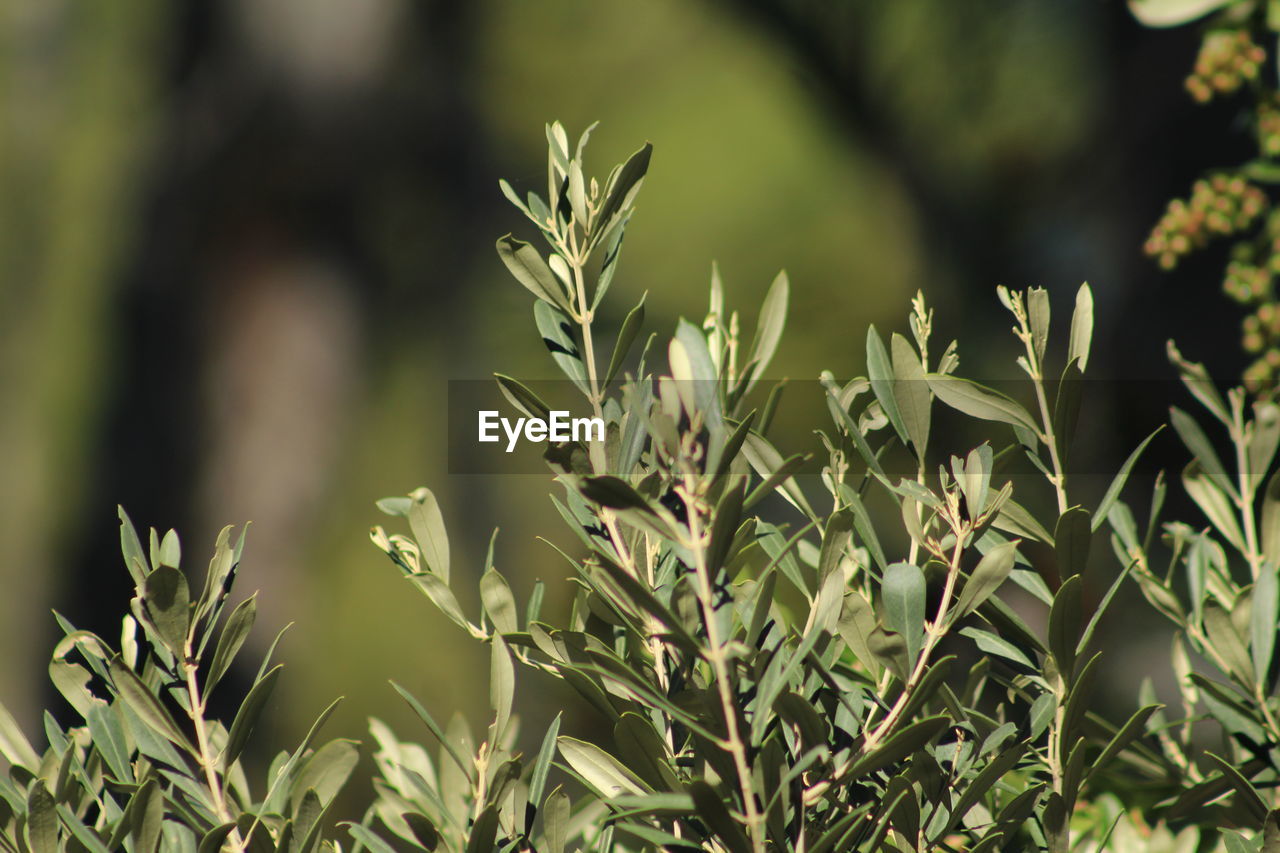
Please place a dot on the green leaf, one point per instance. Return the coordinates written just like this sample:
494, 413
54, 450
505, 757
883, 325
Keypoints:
691, 343
626, 337
369, 839
1064, 625
1265, 621
974, 478
131, 547
1263, 440
14, 745
170, 551
1127, 734
1172, 13
994, 644
1101, 609
1217, 506
1270, 519
324, 772
1117, 484
836, 539
442, 597
1196, 378
980, 402
1227, 642
1071, 539
231, 640
215, 838
978, 786
992, 571
598, 768
728, 452
42, 820
612, 250
880, 372
1014, 518
147, 816
711, 809
423, 829
1271, 832
902, 744
555, 820
622, 192
429, 531
614, 493
144, 703
168, 603
558, 337
776, 472
542, 765
857, 622
519, 395
248, 715
502, 686
1201, 448
436, 731
1081, 328
890, 650
769, 326
1038, 317
641, 748
110, 740
499, 603
1249, 797
526, 264
903, 592
484, 831
1066, 410
911, 391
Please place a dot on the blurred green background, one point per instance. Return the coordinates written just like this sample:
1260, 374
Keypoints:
244, 244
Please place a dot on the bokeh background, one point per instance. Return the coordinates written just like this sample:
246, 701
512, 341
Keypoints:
245, 244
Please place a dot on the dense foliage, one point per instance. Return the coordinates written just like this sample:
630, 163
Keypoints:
1236, 201
784, 662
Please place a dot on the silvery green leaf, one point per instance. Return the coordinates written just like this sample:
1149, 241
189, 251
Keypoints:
527, 266
428, 529
1172, 13
1038, 319
880, 372
769, 326
992, 571
976, 401
558, 337
598, 768
911, 391
903, 594
1081, 328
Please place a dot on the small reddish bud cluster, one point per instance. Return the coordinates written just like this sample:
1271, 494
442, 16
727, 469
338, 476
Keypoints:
1250, 281
1227, 59
1219, 206
1268, 128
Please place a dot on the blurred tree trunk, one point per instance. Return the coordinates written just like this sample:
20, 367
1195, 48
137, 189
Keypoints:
305, 222
79, 83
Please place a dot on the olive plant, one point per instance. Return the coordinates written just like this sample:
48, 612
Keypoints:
881, 646
148, 767
775, 677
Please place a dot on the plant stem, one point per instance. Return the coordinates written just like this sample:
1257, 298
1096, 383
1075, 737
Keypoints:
716, 655
934, 632
208, 761
599, 464
1047, 435
1247, 487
